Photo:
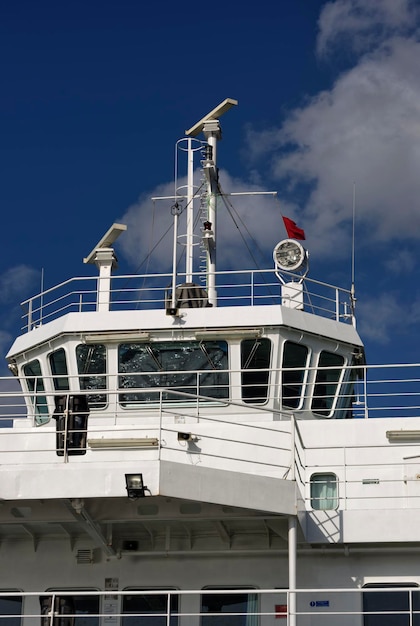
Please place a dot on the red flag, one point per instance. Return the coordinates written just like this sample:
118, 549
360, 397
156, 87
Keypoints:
293, 231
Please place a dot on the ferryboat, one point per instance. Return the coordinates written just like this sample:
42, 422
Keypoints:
205, 447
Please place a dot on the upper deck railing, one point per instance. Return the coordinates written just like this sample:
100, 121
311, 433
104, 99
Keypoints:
150, 291
366, 391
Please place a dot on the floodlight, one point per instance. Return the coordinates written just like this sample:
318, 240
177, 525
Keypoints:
289, 255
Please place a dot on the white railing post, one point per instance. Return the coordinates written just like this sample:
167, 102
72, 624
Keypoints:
337, 305
365, 396
292, 548
29, 315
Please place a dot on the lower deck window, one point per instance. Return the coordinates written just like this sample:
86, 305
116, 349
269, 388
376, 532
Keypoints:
387, 605
72, 610
324, 492
149, 609
173, 371
10, 610
229, 609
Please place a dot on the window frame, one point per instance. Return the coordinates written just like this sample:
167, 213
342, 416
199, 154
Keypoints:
376, 617
158, 391
321, 379
70, 592
242, 616
35, 385
85, 377
15, 618
317, 499
255, 371
61, 381
144, 591
305, 372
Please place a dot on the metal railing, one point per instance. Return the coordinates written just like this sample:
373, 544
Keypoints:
372, 605
373, 391
139, 292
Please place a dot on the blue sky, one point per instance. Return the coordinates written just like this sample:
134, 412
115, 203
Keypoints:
95, 95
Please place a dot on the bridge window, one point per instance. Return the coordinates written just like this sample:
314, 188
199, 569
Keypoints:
91, 367
392, 606
326, 383
295, 358
174, 371
255, 364
10, 610
149, 609
35, 383
324, 492
233, 609
58, 366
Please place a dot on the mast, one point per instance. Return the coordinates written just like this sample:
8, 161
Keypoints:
210, 126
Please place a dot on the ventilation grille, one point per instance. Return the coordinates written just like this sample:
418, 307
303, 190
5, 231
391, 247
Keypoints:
84, 557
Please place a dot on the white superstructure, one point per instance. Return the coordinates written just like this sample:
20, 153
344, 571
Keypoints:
212, 452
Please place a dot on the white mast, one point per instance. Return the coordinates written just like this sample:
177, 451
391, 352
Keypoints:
210, 126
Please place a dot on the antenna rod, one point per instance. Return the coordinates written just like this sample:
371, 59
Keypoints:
353, 255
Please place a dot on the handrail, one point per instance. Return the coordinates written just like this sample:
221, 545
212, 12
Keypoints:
391, 390
235, 287
321, 605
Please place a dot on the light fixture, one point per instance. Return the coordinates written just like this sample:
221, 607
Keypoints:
117, 337
244, 333
289, 255
403, 435
135, 486
140, 442
184, 437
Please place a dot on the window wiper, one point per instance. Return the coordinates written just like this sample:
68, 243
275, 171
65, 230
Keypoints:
251, 354
206, 354
152, 354
88, 360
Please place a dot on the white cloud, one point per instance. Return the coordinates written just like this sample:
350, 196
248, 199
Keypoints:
365, 130
362, 24
15, 283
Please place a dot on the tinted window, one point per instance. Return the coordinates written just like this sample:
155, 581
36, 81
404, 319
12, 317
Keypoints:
324, 492
10, 611
82, 610
180, 369
233, 609
295, 358
255, 363
146, 609
58, 366
91, 367
35, 384
391, 607
326, 382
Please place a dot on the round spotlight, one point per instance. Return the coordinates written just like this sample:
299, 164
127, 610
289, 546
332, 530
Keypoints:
289, 255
